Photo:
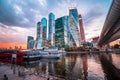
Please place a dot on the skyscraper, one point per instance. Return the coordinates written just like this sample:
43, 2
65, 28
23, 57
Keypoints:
61, 31
44, 27
51, 29
82, 34
74, 27
39, 30
38, 43
29, 39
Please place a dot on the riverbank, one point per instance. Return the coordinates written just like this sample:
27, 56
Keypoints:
21, 73
101, 51
14, 74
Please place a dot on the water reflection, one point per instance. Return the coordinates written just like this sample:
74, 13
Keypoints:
80, 66
112, 72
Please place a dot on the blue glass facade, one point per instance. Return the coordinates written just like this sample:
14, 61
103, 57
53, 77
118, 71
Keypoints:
74, 27
61, 32
29, 46
38, 43
44, 26
51, 29
39, 30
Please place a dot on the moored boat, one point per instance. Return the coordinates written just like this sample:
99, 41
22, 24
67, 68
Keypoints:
32, 56
7, 57
50, 54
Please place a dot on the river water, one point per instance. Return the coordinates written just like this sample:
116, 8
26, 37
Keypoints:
81, 66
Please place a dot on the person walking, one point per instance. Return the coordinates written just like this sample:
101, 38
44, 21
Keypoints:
5, 77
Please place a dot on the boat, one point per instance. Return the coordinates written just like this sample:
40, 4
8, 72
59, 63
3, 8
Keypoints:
50, 54
32, 56
62, 52
8, 57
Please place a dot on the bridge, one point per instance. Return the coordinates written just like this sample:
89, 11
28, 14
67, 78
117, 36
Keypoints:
111, 28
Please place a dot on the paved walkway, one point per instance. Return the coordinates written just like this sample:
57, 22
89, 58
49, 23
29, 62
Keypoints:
6, 69
13, 73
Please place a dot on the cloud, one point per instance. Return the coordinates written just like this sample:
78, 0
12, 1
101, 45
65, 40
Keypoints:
18, 9
15, 34
18, 13
43, 3
94, 28
18, 18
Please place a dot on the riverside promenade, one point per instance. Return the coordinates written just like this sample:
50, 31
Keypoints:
13, 73
6, 69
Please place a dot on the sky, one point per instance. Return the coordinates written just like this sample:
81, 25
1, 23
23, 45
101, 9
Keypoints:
18, 18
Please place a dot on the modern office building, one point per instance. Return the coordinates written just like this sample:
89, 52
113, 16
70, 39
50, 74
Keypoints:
38, 42
51, 29
82, 34
29, 39
74, 27
31, 44
61, 32
44, 27
39, 30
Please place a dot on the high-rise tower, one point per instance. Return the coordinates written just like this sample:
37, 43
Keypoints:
44, 27
38, 43
82, 34
44, 31
51, 29
29, 39
61, 31
39, 30
74, 27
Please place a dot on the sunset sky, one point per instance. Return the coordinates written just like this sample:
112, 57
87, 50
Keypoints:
18, 18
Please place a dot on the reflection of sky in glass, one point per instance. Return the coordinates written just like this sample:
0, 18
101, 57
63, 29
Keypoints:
44, 22
73, 25
116, 60
51, 25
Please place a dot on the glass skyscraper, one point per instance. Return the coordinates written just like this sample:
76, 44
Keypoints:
74, 27
44, 27
61, 32
29, 46
39, 30
51, 29
38, 43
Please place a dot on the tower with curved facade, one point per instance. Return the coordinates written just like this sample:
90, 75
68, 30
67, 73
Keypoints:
38, 43
51, 29
44, 31
74, 27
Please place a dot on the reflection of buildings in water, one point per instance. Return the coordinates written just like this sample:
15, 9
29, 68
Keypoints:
47, 67
109, 57
94, 68
78, 67
85, 66
112, 73
51, 68
96, 58
116, 60
43, 67
70, 61
71, 57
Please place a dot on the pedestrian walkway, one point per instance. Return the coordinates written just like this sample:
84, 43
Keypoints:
14, 74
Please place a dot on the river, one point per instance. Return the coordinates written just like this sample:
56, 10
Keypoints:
82, 66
